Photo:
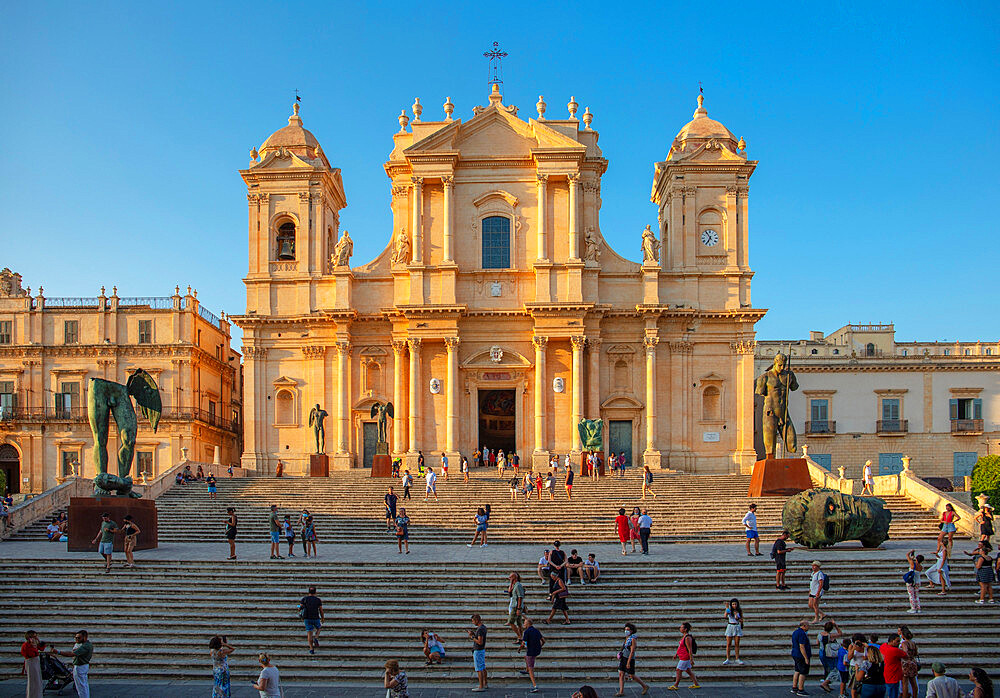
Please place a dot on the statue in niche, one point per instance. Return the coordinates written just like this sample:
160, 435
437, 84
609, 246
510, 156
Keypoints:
316, 417
650, 247
401, 254
592, 246
343, 251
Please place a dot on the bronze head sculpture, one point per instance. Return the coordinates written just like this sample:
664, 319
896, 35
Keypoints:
822, 517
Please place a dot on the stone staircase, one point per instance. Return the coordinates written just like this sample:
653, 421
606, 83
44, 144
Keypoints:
348, 508
154, 622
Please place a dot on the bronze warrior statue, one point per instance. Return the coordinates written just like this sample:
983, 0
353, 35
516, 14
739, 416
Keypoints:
821, 517
774, 385
381, 411
316, 417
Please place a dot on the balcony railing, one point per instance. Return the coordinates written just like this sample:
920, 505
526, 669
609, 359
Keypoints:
966, 426
819, 428
208, 315
14, 415
64, 302
154, 302
892, 426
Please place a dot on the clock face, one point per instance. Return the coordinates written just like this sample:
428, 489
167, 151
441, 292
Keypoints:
709, 238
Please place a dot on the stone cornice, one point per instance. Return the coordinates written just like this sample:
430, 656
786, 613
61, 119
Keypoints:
885, 368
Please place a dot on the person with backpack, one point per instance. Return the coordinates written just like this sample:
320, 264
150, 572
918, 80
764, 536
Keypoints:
626, 661
647, 482
819, 582
912, 580
801, 656
311, 613
828, 653
686, 650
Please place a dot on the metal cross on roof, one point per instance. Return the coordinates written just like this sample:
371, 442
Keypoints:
495, 56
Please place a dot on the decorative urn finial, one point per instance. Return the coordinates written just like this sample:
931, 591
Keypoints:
403, 121
417, 109
540, 106
449, 109
588, 118
572, 106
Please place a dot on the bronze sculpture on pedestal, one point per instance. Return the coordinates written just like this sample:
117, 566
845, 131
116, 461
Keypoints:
774, 385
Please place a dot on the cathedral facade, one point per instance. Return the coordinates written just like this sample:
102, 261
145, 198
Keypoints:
498, 315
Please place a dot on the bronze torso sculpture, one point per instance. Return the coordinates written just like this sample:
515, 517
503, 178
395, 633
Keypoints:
774, 385
316, 417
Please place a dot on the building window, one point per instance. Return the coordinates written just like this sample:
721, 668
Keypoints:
496, 242
70, 463
211, 411
836, 351
989, 352
145, 331
819, 410
67, 400
144, 461
966, 408
947, 352
710, 404
71, 329
890, 409
905, 352
814, 351
286, 241
8, 400
284, 403
869, 349
6, 332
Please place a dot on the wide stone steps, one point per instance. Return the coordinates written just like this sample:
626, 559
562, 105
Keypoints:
153, 622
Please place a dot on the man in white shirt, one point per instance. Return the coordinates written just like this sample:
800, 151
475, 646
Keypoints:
543, 567
645, 524
591, 570
942, 686
869, 481
431, 484
750, 524
816, 591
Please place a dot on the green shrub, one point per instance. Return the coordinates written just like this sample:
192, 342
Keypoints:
986, 480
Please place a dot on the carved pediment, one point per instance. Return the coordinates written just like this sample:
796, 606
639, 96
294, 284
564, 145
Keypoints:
714, 151
484, 359
711, 378
284, 382
621, 400
621, 349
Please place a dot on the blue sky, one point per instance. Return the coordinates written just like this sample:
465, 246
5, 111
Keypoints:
876, 128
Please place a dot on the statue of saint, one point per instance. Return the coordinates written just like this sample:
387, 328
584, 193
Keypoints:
316, 417
592, 248
650, 247
382, 411
774, 385
114, 399
401, 255
343, 250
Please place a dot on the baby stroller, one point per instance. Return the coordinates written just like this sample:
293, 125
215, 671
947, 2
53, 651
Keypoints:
56, 674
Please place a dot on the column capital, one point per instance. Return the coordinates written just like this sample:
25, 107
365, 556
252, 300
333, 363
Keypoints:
399, 346
311, 352
681, 347
746, 347
417, 181
414, 343
543, 179
448, 181
578, 341
594, 342
650, 341
574, 178
452, 343
539, 341
343, 346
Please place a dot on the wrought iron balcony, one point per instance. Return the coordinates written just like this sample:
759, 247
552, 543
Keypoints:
821, 427
892, 426
966, 426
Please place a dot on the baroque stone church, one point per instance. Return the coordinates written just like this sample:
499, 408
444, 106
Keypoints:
498, 315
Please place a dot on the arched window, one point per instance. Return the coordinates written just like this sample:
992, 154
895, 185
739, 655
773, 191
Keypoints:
813, 351
496, 242
869, 349
283, 407
286, 241
836, 351
710, 403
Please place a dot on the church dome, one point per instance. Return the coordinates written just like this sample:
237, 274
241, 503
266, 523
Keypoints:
292, 137
701, 128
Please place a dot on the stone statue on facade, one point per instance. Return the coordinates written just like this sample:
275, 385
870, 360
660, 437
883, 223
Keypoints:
592, 247
106, 399
10, 284
401, 254
774, 385
381, 412
591, 434
343, 250
316, 417
821, 517
650, 247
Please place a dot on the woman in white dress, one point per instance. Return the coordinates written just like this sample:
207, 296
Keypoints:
938, 573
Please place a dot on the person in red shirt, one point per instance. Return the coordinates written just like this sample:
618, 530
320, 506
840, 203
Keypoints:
624, 532
30, 650
893, 666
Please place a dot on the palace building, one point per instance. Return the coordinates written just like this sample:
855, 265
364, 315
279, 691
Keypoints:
497, 314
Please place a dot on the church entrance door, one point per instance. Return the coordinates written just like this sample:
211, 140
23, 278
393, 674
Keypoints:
10, 464
369, 436
620, 438
498, 420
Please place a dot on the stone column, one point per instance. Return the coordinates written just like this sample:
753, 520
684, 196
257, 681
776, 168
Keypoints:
574, 235
594, 379
578, 344
414, 381
449, 197
543, 210
418, 219
540, 392
398, 438
451, 413
650, 342
343, 394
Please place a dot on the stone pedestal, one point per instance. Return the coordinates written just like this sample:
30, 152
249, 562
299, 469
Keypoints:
381, 465
585, 470
779, 476
319, 465
85, 521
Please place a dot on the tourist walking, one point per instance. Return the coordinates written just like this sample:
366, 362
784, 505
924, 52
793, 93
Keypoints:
444, 466
686, 650
107, 535
948, 519
395, 680
420, 462
984, 571
274, 526
309, 537
750, 525
433, 647
82, 653
869, 674
515, 607
311, 608
481, 524
478, 637
514, 486
219, 649
131, 533
288, 531
557, 562
31, 651
817, 586
403, 530
645, 527
531, 642
622, 528
826, 641
431, 485
550, 485
595, 468
734, 631
558, 594
778, 552
529, 486
626, 661
622, 464
801, 656
269, 681
231, 531
212, 486
942, 685
539, 484
569, 483
985, 520
501, 463
407, 482
647, 482
867, 479
390, 509
912, 579
633, 527
465, 469
910, 663
982, 685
